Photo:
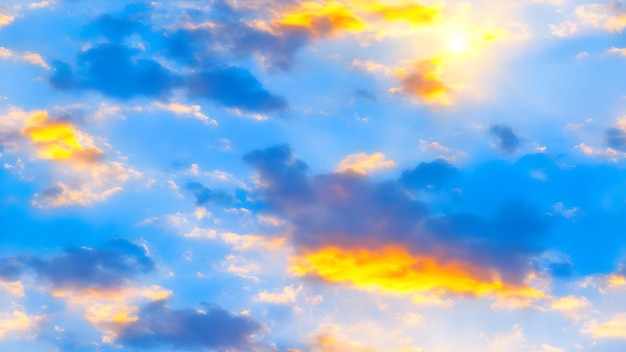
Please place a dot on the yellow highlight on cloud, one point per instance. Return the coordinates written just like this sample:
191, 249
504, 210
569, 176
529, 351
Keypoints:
363, 163
415, 14
59, 140
323, 20
394, 269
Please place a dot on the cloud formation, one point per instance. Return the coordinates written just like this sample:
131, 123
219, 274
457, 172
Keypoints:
104, 268
506, 139
212, 328
345, 218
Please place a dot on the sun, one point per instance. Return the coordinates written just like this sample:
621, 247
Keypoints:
458, 42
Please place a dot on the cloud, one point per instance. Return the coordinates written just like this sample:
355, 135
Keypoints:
118, 70
113, 70
211, 328
571, 307
344, 218
288, 295
85, 176
415, 14
364, 163
619, 51
193, 110
59, 140
321, 20
32, 58
616, 139
423, 80
434, 174
396, 270
234, 87
108, 267
563, 29
507, 140
205, 195
251, 242
614, 328
5, 19
17, 322
610, 16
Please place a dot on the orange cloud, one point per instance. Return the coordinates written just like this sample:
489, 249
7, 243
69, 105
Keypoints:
59, 140
363, 163
394, 269
322, 20
422, 80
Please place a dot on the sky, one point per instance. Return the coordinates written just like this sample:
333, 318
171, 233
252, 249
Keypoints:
313, 176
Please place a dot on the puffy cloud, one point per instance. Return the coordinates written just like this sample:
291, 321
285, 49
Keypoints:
564, 29
211, 328
205, 195
619, 51
5, 19
89, 176
32, 58
507, 140
234, 87
251, 242
17, 322
423, 80
610, 16
288, 295
59, 140
104, 268
113, 70
429, 175
321, 20
394, 269
197, 232
571, 307
364, 163
614, 328
346, 229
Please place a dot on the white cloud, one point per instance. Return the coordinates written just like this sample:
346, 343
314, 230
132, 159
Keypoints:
288, 295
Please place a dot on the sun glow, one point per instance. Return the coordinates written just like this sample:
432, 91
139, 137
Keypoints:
458, 43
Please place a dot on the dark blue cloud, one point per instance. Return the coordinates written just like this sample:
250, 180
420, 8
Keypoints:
109, 266
114, 70
10, 269
285, 175
507, 140
433, 174
205, 195
214, 329
119, 71
234, 88
500, 215
616, 139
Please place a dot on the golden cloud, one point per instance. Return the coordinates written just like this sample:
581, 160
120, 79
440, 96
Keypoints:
394, 269
322, 19
363, 163
423, 80
59, 140
410, 12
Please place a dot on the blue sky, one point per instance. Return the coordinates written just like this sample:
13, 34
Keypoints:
312, 176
